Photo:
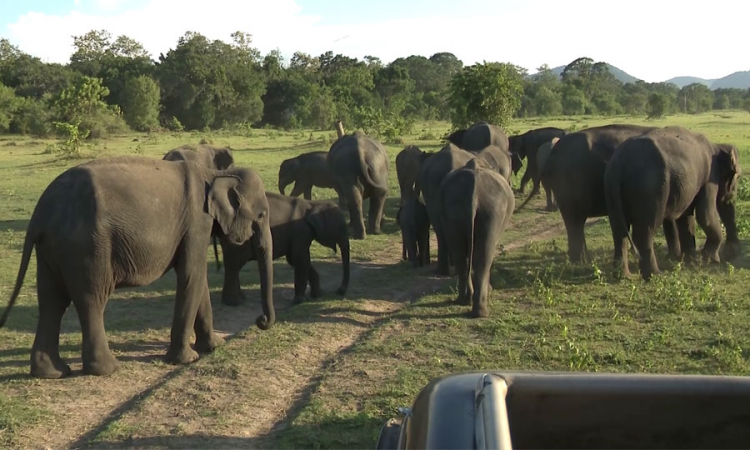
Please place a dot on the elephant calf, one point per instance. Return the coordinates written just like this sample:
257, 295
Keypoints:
408, 162
295, 223
414, 222
305, 171
476, 207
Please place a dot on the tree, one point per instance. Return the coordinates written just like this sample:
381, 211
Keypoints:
488, 91
141, 103
8, 105
658, 105
573, 100
695, 98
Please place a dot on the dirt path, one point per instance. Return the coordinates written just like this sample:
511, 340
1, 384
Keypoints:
217, 403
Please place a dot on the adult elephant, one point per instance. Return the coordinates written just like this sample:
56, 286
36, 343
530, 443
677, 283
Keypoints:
575, 173
526, 146
431, 174
295, 224
669, 174
482, 135
408, 162
360, 167
476, 207
305, 171
205, 155
122, 222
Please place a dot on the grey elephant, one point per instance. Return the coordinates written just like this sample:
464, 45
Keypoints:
122, 222
360, 167
526, 146
482, 135
431, 174
414, 222
305, 171
575, 173
670, 173
477, 205
205, 155
542, 154
408, 162
295, 224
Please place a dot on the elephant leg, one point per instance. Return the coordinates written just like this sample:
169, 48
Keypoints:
314, 278
685, 227
621, 252
205, 338
231, 292
574, 226
97, 358
484, 253
525, 179
708, 218
459, 248
403, 247
672, 236
191, 286
443, 268
375, 215
53, 301
643, 237
551, 206
308, 193
301, 272
354, 201
297, 190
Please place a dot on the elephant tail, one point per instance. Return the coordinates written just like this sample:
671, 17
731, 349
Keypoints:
612, 184
533, 192
366, 171
470, 237
216, 254
28, 246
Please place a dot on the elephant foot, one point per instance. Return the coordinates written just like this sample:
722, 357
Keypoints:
479, 312
182, 355
341, 291
358, 235
207, 346
463, 300
315, 292
104, 365
44, 366
375, 231
299, 299
730, 251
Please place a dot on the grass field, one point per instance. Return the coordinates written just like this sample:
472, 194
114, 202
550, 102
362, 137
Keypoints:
332, 371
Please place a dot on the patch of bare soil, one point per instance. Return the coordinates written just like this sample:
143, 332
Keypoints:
150, 404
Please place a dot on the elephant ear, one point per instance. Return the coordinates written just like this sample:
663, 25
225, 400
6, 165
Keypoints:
554, 141
729, 171
223, 201
322, 222
223, 158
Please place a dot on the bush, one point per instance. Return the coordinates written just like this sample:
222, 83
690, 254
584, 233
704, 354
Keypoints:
32, 117
73, 136
141, 104
102, 123
174, 124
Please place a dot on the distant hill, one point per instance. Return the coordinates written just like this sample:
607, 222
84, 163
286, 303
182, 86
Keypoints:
620, 74
681, 82
740, 80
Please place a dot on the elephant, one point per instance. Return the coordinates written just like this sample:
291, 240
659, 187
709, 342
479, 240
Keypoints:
414, 222
295, 224
526, 146
476, 207
497, 159
360, 167
124, 222
431, 174
482, 135
205, 155
305, 171
408, 162
670, 173
575, 173
542, 154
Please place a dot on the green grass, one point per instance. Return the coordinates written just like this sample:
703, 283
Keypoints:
332, 371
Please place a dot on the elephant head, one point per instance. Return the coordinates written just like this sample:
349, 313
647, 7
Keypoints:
236, 200
727, 173
330, 229
288, 173
223, 158
456, 138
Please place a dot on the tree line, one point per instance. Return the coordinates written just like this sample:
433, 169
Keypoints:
112, 84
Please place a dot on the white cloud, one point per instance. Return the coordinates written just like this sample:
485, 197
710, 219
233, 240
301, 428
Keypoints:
651, 39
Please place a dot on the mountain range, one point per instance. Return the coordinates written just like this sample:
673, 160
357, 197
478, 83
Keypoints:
740, 80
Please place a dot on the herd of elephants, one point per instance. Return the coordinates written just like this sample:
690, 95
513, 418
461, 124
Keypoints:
125, 221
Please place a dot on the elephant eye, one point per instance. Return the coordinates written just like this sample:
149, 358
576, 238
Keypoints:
262, 215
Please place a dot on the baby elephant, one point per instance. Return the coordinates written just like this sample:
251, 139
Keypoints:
305, 171
295, 223
414, 222
475, 207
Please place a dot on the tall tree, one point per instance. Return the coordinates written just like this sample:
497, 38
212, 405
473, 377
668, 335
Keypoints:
488, 91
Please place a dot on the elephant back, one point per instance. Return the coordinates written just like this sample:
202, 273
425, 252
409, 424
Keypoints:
362, 157
482, 135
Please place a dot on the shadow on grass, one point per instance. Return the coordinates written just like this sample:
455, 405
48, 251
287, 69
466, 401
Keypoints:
14, 225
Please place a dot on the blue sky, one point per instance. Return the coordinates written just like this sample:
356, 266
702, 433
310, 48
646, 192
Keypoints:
650, 39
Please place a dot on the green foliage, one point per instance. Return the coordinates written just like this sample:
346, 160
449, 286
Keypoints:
488, 91
82, 99
73, 137
174, 124
695, 98
658, 104
8, 105
372, 121
141, 105
32, 117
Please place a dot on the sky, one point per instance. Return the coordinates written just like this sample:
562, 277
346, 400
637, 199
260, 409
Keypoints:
650, 39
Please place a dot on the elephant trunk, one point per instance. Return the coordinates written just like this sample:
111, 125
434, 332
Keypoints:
264, 254
727, 214
282, 186
344, 246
